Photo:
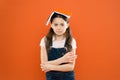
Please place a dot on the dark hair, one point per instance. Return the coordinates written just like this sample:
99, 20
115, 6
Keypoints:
49, 36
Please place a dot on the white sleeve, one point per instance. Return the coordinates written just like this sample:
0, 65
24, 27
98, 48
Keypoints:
42, 42
74, 43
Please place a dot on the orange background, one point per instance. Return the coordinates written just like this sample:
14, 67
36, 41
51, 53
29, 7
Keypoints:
95, 25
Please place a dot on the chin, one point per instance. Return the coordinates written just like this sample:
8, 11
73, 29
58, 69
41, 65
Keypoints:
59, 34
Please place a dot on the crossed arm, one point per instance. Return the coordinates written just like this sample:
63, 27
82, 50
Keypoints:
55, 64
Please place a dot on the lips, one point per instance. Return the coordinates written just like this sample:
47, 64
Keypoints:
59, 31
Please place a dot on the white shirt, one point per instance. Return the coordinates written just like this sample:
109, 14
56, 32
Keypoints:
58, 44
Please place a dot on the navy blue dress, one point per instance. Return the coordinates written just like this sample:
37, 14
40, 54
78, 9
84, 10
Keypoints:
53, 54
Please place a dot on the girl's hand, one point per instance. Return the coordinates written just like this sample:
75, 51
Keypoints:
46, 67
69, 57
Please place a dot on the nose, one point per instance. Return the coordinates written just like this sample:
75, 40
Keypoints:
58, 27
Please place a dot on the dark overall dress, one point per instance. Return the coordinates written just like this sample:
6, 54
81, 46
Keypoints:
53, 54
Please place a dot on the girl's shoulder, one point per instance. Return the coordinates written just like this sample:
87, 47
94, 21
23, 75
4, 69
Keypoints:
73, 39
42, 42
43, 38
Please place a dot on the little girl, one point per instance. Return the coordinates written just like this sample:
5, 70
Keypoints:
58, 49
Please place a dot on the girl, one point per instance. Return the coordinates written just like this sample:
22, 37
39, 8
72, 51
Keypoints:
58, 49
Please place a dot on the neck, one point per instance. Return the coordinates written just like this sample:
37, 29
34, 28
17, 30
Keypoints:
59, 37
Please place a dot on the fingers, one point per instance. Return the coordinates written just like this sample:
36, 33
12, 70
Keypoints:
69, 57
44, 68
72, 55
72, 58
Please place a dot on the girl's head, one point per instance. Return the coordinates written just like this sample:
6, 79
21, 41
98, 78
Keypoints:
59, 26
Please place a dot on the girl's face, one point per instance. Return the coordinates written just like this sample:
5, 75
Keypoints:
59, 26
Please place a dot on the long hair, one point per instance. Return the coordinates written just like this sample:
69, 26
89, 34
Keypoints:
68, 35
